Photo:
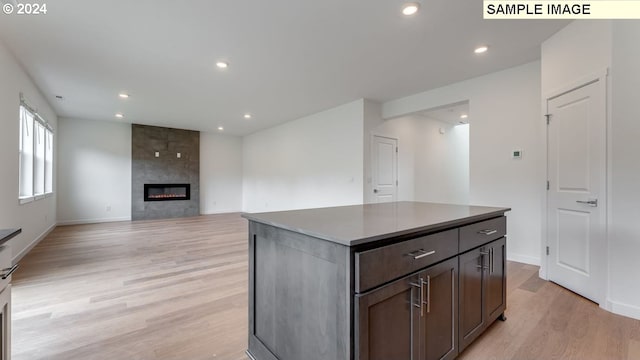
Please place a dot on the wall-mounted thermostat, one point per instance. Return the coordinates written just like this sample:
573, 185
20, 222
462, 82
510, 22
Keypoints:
517, 154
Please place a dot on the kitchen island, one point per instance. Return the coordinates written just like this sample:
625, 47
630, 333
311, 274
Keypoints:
403, 280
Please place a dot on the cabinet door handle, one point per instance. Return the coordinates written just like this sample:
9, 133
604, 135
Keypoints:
421, 297
487, 232
590, 202
419, 286
491, 261
428, 283
482, 262
419, 254
11, 270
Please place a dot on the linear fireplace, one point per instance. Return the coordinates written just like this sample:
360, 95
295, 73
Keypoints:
166, 192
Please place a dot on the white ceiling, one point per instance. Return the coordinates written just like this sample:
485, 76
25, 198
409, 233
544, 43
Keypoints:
288, 58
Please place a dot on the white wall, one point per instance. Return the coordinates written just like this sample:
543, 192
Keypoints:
624, 226
38, 217
220, 173
442, 162
578, 51
94, 171
506, 114
315, 161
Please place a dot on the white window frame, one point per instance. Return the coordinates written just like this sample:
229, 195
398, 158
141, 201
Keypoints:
48, 129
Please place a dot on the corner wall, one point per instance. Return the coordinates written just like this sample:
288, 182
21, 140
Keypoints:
36, 218
315, 161
624, 227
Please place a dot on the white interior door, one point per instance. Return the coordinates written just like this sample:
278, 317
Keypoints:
576, 216
385, 168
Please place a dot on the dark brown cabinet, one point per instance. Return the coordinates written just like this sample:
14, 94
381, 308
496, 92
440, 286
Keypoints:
399, 281
388, 321
482, 289
413, 318
438, 335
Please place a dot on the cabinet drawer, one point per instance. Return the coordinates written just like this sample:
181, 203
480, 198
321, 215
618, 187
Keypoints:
378, 266
480, 233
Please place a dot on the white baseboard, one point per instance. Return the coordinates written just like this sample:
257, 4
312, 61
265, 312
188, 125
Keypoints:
33, 244
218, 212
619, 308
531, 260
93, 221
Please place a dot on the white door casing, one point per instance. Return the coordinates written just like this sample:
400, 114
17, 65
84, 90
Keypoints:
385, 169
576, 196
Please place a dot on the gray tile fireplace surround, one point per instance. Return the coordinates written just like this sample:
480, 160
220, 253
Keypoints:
167, 168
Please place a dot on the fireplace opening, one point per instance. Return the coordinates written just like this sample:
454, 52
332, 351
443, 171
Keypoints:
167, 192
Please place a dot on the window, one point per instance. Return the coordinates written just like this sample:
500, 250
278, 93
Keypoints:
36, 155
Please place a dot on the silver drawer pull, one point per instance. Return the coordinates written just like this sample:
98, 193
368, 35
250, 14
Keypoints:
11, 270
487, 232
419, 254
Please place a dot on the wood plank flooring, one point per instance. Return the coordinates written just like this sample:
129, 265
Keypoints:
170, 289
177, 289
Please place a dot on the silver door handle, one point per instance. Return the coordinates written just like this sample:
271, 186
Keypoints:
491, 261
428, 283
420, 286
593, 202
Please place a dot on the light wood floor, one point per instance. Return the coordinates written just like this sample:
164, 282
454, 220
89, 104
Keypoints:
177, 289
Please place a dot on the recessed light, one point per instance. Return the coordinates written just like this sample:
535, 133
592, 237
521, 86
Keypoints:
410, 8
119, 115
481, 49
220, 128
247, 116
123, 95
464, 116
222, 64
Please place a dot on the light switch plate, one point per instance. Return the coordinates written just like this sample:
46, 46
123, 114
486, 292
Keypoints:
157, 153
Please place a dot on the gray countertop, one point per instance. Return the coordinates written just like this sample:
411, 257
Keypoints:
360, 224
8, 234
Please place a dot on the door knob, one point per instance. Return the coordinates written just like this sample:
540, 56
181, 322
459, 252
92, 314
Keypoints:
590, 202
375, 191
